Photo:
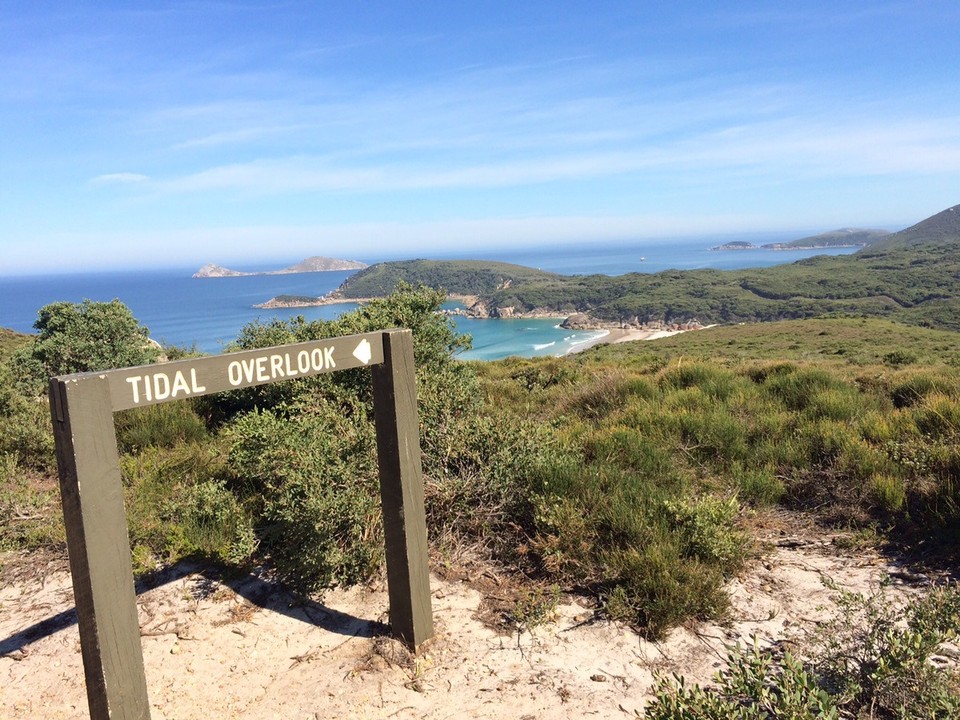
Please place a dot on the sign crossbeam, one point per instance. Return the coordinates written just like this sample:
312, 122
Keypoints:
82, 407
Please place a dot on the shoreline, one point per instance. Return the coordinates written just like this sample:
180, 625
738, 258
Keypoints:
606, 335
615, 336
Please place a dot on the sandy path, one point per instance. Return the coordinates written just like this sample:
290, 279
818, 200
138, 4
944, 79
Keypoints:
242, 650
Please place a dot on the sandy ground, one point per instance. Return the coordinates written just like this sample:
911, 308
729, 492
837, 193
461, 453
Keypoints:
246, 649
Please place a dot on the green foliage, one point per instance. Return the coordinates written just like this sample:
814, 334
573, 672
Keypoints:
876, 656
657, 446
461, 277
621, 471
178, 504
706, 527
755, 685
871, 660
313, 478
304, 454
79, 337
165, 425
29, 508
25, 432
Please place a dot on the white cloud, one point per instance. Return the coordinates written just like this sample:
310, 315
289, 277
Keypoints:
124, 178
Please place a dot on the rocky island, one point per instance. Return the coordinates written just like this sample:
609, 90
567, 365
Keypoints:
311, 264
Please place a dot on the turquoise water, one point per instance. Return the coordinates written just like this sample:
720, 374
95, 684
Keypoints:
209, 313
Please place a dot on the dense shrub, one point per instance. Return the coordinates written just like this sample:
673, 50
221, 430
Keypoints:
178, 504
25, 432
79, 337
312, 477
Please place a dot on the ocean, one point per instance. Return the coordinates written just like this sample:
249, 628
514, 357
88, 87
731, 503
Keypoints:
209, 313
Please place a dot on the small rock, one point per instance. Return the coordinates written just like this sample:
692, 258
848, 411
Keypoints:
598, 677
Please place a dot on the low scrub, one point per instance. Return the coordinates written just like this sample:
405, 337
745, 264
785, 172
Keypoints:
871, 660
623, 472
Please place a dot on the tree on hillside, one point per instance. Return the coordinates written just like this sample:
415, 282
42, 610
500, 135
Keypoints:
81, 337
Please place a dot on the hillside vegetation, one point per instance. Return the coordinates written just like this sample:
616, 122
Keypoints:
912, 276
11, 341
622, 472
460, 277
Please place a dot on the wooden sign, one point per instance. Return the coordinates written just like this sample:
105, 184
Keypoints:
82, 407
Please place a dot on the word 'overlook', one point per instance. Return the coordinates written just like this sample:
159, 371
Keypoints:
172, 383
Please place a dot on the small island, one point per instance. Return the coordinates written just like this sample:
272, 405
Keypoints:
316, 263
736, 245
289, 301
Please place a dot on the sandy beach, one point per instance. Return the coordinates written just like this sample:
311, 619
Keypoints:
614, 336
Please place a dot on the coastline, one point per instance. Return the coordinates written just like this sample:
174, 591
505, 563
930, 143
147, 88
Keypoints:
615, 336
606, 334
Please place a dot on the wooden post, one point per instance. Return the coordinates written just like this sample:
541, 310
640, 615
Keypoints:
401, 490
99, 548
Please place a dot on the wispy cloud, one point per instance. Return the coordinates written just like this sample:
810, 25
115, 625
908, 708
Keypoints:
238, 136
788, 147
123, 178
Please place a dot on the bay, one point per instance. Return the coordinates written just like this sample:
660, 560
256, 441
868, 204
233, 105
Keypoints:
209, 313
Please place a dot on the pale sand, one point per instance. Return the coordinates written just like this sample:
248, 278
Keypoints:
620, 335
245, 649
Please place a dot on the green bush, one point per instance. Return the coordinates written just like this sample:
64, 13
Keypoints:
707, 530
755, 685
913, 388
178, 504
303, 456
759, 486
716, 382
80, 337
656, 587
875, 656
313, 478
871, 660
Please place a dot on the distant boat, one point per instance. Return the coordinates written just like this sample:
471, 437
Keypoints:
642, 259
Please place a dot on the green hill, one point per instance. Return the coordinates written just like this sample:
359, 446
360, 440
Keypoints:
10, 341
942, 228
458, 277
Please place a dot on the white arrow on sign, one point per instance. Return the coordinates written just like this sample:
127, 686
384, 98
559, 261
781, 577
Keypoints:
363, 353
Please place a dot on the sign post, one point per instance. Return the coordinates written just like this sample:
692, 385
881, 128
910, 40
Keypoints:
82, 407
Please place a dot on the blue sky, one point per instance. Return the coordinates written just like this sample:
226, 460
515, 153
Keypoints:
138, 134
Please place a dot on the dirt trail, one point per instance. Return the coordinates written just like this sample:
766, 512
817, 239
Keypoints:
244, 649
